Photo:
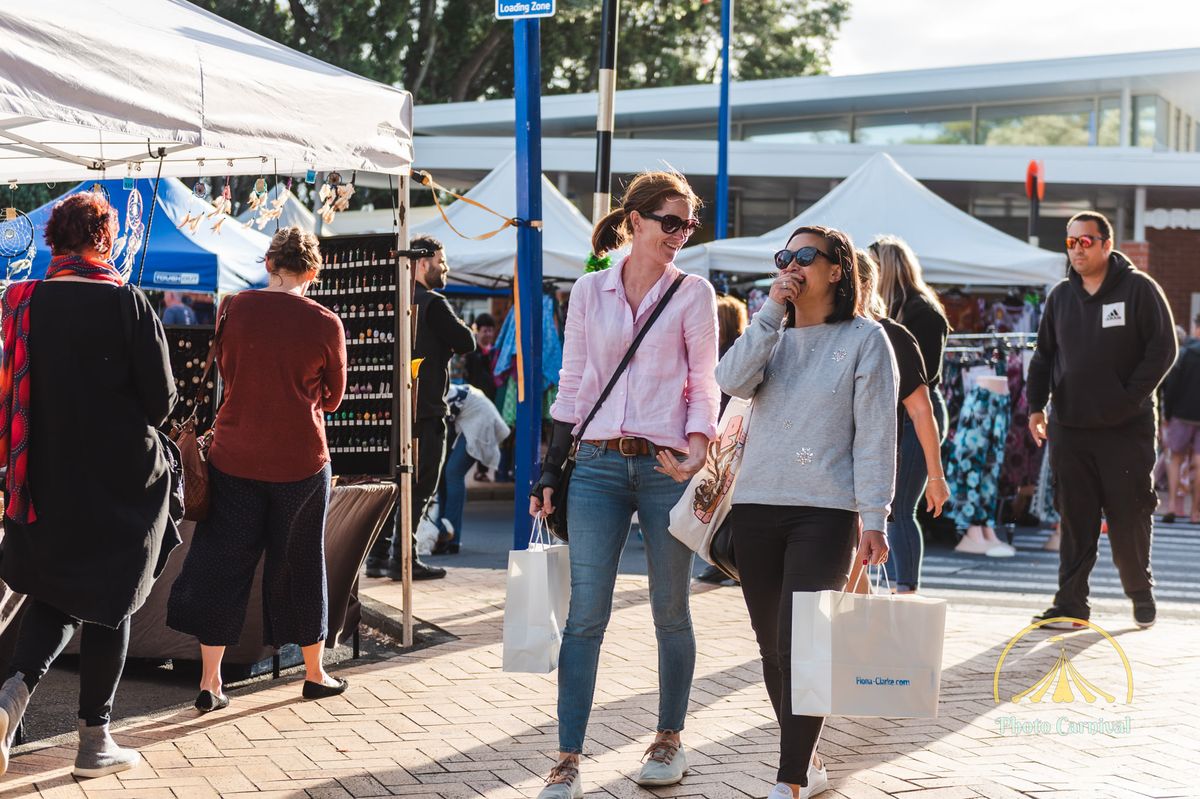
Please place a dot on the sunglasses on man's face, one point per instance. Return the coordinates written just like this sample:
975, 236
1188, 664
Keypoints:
1086, 242
673, 224
803, 257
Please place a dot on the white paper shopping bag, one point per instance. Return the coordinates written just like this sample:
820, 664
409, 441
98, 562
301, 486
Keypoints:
536, 603
866, 655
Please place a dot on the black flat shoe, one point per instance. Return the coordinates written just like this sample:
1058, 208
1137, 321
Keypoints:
316, 690
207, 702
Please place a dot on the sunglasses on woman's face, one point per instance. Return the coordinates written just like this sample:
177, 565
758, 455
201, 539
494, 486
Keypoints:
673, 224
803, 257
1086, 242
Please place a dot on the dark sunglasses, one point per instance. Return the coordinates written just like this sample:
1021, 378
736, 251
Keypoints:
1086, 242
803, 257
673, 224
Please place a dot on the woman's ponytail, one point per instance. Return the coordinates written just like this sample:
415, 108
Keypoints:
610, 232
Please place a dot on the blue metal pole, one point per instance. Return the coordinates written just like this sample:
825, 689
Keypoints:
528, 80
723, 124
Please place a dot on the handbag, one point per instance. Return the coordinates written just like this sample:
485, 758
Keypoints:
556, 522
193, 448
866, 654
537, 598
701, 519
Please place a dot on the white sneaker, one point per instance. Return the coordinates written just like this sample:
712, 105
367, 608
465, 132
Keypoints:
564, 782
1001, 550
780, 791
666, 766
818, 782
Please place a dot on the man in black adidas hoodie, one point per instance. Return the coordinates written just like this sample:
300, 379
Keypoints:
1105, 343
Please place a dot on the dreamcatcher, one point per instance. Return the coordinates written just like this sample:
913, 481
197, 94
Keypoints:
16, 239
135, 230
268, 211
335, 196
200, 190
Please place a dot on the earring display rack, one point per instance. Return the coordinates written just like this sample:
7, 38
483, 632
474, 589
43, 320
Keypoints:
358, 283
188, 346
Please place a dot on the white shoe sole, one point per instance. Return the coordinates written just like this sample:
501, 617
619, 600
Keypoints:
3, 736
89, 773
653, 783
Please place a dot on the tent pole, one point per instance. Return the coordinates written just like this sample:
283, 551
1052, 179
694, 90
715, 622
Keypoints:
402, 410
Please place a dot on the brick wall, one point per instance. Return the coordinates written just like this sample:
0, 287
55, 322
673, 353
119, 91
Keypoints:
1174, 261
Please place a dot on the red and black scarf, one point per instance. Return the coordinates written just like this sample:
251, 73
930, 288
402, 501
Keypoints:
14, 376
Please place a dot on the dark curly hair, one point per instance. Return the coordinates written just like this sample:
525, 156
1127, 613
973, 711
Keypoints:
80, 222
845, 297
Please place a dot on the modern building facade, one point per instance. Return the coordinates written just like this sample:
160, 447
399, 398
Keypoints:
1118, 133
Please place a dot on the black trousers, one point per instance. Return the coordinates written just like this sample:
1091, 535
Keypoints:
46, 631
781, 550
429, 435
1103, 471
247, 518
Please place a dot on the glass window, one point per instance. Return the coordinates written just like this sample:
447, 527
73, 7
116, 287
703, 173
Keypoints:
817, 130
1108, 129
1056, 124
703, 132
949, 126
1149, 121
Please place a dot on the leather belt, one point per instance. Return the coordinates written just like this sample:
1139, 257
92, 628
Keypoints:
629, 446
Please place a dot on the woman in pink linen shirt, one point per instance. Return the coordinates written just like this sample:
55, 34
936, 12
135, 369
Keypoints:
647, 440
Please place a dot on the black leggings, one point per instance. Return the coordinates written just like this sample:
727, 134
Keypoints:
46, 631
781, 550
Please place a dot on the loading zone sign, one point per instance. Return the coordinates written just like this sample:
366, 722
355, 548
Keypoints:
524, 9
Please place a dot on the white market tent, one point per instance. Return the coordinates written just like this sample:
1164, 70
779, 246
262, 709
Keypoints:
566, 233
94, 89
89, 88
954, 248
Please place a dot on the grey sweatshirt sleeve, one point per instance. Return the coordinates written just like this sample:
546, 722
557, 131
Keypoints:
875, 404
742, 368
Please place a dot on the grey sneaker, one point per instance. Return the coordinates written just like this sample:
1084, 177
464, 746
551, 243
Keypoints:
14, 696
99, 754
666, 764
564, 782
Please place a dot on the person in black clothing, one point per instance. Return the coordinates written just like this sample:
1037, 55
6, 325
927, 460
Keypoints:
440, 335
480, 363
910, 302
1181, 414
1105, 342
88, 525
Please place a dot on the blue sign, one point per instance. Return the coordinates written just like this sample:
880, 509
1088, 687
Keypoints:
524, 9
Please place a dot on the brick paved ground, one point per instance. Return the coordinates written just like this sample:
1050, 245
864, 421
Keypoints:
446, 722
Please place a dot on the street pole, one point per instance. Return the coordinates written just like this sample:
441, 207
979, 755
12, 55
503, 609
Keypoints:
402, 408
605, 111
527, 78
723, 124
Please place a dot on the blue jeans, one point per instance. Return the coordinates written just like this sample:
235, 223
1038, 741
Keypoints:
452, 495
606, 488
905, 537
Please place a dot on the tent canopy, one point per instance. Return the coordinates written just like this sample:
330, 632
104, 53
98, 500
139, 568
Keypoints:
102, 85
879, 198
566, 234
176, 259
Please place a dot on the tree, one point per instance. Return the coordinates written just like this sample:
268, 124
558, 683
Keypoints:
454, 50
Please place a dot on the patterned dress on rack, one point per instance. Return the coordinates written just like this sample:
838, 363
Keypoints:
976, 458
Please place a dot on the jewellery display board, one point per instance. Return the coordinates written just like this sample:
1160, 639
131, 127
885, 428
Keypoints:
358, 283
188, 346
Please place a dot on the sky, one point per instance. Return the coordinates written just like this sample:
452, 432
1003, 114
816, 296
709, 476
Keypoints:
888, 35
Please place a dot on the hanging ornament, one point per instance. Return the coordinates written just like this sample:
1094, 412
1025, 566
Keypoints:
222, 207
135, 231
16, 239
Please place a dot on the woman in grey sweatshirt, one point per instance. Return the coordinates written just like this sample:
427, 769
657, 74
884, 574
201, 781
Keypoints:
820, 454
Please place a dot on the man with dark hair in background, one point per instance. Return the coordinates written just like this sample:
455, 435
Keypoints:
1105, 342
440, 334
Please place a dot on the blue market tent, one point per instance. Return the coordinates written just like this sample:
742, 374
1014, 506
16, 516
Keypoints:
176, 258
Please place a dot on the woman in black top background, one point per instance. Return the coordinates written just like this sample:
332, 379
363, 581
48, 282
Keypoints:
918, 337
87, 527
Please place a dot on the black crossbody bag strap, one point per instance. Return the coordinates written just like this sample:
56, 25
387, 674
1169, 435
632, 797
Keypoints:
662, 305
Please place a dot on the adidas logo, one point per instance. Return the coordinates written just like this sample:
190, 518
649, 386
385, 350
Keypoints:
1113, 315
